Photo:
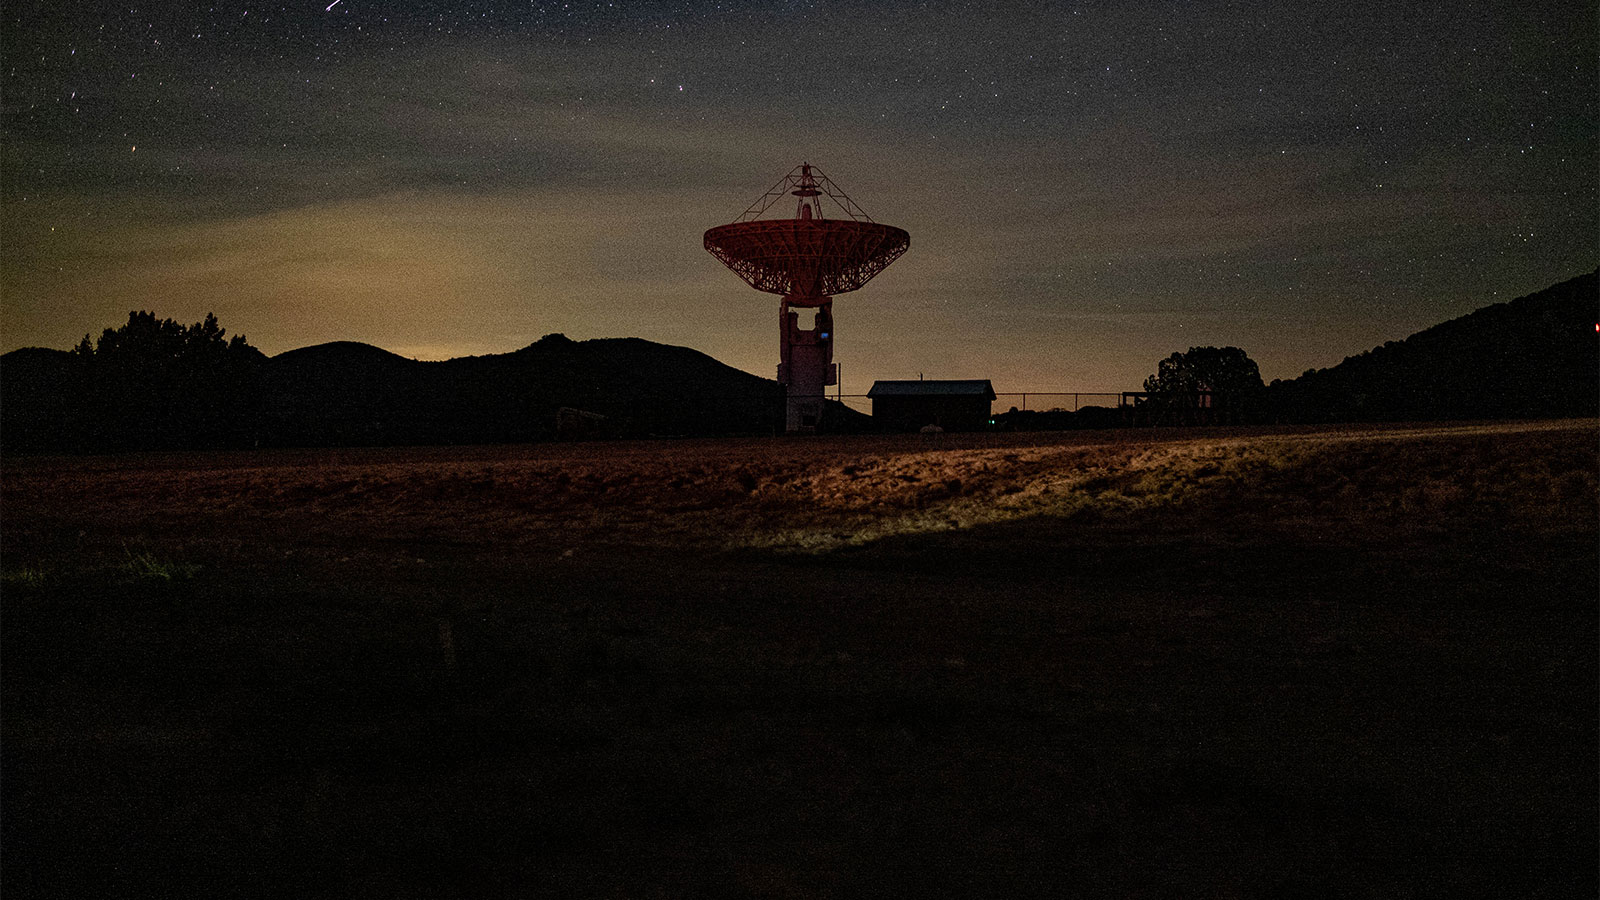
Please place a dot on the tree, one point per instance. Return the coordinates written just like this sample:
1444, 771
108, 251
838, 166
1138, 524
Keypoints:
1225, 370
1206, 384
159, 384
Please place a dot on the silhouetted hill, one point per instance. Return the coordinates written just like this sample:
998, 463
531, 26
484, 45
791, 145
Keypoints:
1533, 357
346, 393
35, 384
350, 356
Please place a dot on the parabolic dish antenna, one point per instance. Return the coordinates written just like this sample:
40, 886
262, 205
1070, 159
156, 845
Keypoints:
830, 247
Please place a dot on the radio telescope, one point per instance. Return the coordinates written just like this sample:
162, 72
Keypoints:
808, 260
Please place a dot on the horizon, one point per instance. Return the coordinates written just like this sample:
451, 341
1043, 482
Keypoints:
1039, 390
1088, 189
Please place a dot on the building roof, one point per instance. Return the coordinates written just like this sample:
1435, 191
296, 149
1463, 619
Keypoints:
969, 388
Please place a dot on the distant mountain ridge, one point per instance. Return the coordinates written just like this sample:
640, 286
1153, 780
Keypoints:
356, 393
1533, 357
346, 393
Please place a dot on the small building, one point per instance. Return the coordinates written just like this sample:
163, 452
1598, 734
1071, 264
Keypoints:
951, 405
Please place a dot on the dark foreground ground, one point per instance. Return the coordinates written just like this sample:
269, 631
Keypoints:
1352, 663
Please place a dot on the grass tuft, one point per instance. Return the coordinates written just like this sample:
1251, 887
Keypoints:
145, 566
26, 576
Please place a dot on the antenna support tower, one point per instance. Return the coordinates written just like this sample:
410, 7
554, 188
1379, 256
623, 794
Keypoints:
830, 247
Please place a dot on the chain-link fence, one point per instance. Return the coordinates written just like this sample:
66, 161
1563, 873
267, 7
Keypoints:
1022, 401
1053, 401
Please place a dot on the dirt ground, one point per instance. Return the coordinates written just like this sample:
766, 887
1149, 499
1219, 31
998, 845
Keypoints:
1351, 662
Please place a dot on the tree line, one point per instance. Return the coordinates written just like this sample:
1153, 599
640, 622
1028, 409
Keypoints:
150, 384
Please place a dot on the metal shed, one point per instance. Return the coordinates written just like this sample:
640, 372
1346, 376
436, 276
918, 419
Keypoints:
951, 405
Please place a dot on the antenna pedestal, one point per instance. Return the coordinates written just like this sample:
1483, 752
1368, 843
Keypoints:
806, 370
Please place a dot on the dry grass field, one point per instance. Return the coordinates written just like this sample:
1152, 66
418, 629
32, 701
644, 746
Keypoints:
1342, 661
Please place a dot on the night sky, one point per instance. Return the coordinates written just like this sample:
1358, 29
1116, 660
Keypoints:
1088, 187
